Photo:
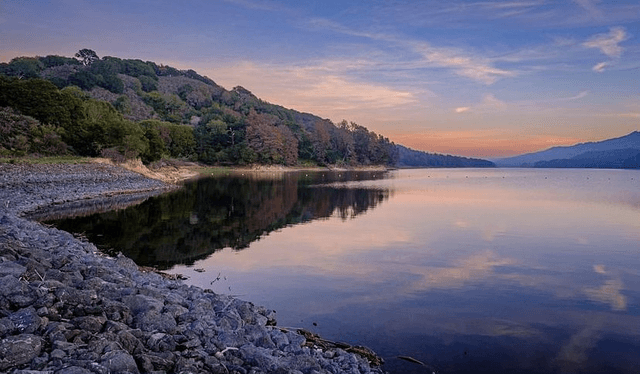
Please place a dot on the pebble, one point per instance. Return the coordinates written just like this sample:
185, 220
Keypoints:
64, 307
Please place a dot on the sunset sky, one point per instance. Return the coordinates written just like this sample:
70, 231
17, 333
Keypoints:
473, 78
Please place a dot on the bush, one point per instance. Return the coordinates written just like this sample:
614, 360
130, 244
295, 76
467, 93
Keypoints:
147, 83
21, 135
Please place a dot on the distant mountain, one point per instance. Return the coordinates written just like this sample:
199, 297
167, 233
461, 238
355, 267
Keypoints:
608, 152
408, 158
615, 159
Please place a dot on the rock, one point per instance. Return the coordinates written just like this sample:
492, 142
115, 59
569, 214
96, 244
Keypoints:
75, 370
58, 353
129, 342
17, 294
6, 327
119, 362
152, 321
26, 321
11, 268
160, 342
141, 303
150, 362
89, 323
18, 350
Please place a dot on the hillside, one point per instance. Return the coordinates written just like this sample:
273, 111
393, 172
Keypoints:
614, 159
408, 158
610, 152
127, 108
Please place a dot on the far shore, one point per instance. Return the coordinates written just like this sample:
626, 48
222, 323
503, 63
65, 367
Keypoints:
178, 171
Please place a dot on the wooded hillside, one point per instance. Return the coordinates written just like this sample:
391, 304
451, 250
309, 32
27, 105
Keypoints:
126, 108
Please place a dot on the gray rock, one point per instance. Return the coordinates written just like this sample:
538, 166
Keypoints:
129, 342
153, 362
18, 350
74, 370
119, 362
58, 353
141, 303
160, 342
6, 327
17, 294
11, 268
26, 321
279, 338
153, 320
90, 323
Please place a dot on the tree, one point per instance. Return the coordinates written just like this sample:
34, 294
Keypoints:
87, 56
23, 67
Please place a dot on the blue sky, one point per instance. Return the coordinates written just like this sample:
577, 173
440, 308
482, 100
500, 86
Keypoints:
476, 78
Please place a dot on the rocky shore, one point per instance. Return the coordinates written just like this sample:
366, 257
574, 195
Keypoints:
66, 308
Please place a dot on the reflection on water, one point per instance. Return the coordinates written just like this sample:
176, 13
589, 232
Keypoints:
223, 212
501, 271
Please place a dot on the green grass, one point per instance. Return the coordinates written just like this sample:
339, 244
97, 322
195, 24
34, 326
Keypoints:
45, 160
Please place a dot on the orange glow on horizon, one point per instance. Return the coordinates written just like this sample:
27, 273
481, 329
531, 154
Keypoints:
480, 143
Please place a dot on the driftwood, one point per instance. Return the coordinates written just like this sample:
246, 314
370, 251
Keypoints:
315, 341
413, 360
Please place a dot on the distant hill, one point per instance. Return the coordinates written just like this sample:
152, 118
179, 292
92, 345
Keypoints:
615, 159
408, 158
610, 153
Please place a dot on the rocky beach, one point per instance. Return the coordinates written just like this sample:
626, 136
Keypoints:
67, 308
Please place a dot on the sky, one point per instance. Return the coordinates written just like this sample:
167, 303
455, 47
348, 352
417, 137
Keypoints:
471, 78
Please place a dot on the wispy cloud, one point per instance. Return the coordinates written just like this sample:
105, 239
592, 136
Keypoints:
608, 43
590, 7
462, 63
580, 95
320, 88
489, 103
600, 67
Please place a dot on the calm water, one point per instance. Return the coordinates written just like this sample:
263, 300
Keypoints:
469, 271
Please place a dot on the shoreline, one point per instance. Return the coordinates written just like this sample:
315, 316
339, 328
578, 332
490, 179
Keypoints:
65, 307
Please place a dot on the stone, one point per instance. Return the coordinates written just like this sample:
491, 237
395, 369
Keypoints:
6, 327
58, 353
119, 362
26, 321
89, 323
161, 342
141, 303
18, 294
153, 320
18, 350
75, 370
151, 362
11, 268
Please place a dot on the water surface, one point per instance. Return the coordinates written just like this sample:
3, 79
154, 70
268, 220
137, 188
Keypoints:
469, 271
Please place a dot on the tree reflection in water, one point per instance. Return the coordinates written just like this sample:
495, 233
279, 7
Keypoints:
229, 211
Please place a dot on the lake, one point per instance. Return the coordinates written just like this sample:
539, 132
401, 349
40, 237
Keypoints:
465, 270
